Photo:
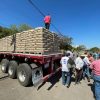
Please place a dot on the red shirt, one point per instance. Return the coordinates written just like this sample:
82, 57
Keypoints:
95, 66
47, 19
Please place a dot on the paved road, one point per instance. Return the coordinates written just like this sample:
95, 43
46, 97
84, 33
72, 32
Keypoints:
10, 89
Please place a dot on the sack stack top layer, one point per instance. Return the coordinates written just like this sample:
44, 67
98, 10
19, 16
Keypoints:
35, 41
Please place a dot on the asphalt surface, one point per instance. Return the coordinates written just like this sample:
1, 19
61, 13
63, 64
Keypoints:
10, 89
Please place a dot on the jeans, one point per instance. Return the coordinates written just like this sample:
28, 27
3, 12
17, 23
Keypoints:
97, 86
66, 78
86, 71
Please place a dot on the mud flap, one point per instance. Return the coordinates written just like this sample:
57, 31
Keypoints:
37, 76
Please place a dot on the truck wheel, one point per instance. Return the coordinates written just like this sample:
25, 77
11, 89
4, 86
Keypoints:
4, 65
37, 75
12, 70
24, 74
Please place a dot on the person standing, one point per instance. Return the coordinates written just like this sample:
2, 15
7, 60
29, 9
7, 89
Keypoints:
86, 68
79, 65
47, 21
91, 59
95, 66
65, 70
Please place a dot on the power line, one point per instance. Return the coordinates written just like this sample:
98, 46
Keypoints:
56, 29
36, 8
33, 4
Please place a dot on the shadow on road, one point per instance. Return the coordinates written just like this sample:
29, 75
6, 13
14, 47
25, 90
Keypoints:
3, 77
53, 80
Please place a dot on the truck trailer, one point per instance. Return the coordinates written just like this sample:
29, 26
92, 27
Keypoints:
29, 63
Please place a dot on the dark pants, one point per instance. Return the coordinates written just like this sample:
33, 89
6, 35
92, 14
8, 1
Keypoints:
78, 76
47, 25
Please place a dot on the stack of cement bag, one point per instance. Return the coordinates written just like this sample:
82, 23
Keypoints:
35, 41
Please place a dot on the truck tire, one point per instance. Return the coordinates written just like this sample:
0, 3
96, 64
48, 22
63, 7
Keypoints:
37, 74
24, 74
4, 65
12, 70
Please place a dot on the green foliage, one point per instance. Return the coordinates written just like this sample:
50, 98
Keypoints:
81, 48
4, 32
13, 29
94, 49
65, 43
24, 27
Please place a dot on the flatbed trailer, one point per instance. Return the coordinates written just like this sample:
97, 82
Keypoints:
30, 68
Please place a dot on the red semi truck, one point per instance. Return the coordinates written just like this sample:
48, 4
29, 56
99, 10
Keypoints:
30, 68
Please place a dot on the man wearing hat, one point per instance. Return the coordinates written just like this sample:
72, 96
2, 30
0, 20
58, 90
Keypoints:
79, 65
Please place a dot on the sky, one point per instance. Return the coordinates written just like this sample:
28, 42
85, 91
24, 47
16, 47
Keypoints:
79, 19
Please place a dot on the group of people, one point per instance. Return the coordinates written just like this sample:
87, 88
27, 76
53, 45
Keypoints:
83, 65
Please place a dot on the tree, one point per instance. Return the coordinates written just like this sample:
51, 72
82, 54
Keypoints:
80, 48
14, 29
24, 27
0, 29
4, 32
94, 49
65, 43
